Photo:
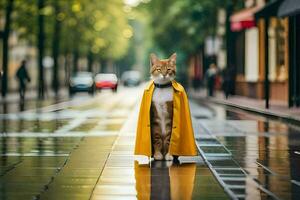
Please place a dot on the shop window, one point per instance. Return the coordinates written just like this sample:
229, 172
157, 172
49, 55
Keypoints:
277, 50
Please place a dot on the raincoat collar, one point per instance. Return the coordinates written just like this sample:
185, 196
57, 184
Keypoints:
174, 85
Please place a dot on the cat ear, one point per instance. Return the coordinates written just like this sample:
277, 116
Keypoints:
153, 59
172, 58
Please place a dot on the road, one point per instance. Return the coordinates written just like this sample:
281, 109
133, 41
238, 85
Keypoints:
82, 148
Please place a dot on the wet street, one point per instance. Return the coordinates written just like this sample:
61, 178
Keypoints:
82, 148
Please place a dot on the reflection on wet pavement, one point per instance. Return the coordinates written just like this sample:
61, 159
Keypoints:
19, 106
124, 178
17, 146
31, 126
252, 157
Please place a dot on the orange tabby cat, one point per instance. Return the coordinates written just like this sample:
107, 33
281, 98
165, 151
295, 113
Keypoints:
161, 111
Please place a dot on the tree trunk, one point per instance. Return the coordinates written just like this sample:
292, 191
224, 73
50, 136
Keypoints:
75, 60
90, 62
67, 68
103, 66
9, 9
41, 40
55, 48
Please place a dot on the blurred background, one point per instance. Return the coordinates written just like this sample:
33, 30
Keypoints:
242, 54
253, 43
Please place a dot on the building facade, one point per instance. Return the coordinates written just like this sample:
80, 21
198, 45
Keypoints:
265, 50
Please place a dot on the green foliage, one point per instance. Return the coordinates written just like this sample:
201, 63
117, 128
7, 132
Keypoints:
182, 25
24, 20
87, 26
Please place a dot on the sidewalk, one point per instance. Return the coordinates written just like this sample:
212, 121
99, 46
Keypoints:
277, 109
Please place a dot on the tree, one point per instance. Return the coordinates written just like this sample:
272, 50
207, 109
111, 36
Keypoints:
6, 32
56, 45
97, 27
182, 26
41, 50
96, 30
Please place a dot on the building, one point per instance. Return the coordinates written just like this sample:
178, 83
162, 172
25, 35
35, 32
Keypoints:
265, 49
291, 10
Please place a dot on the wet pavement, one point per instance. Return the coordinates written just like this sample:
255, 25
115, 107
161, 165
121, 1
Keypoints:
125, 178
12, 103
251, 156
82, 148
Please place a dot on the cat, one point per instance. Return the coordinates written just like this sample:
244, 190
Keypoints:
161, 111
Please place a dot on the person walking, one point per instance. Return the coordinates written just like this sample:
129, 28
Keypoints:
210, 76
228, 81
23, 78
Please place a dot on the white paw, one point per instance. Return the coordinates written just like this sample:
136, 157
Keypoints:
169, 163
158, 156
168, 157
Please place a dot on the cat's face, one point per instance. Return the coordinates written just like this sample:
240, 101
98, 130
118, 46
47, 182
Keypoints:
162, 71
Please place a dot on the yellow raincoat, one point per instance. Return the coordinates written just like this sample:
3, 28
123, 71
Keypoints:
182, 142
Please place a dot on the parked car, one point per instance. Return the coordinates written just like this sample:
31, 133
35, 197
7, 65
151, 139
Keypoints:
106, 81
131, 78
81, 82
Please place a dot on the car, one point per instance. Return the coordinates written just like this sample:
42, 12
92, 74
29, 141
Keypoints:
131, 78
81, 82
106, 81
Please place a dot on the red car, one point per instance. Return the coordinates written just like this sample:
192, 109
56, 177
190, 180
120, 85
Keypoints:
106, 81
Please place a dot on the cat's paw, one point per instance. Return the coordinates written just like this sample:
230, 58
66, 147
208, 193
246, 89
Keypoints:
158, 156
168, 157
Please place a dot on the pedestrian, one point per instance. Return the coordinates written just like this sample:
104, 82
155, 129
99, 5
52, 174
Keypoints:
23, 78
210, 77
228, 81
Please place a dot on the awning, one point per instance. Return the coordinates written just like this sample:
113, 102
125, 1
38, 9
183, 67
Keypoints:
243, 19
289, 8
269, 10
